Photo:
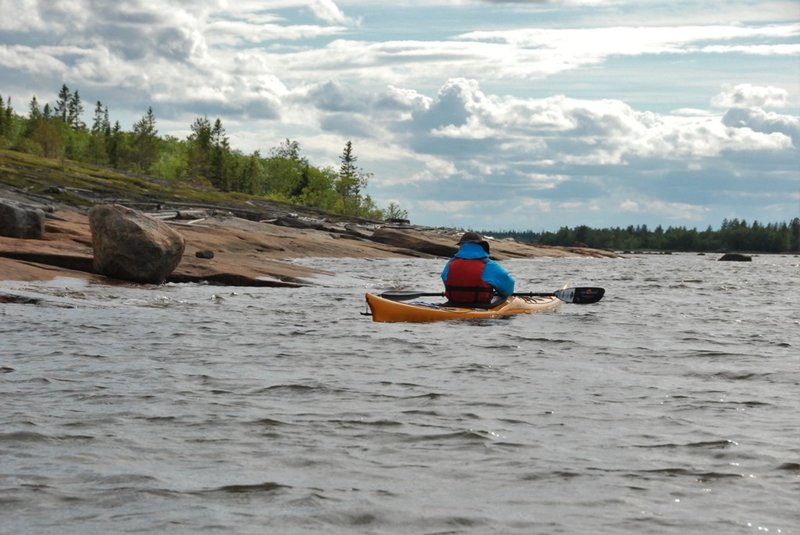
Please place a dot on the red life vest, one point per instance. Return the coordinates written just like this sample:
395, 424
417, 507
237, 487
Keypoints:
464, 283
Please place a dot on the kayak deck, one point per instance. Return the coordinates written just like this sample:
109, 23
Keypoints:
387, 310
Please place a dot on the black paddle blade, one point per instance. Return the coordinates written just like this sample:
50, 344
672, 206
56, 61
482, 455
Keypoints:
581, 295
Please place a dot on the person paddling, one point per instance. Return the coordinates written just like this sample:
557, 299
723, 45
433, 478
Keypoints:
471, 277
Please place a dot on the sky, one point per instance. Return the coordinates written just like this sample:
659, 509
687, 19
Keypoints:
481, 114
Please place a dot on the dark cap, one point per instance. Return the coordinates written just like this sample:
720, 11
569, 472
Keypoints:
474, 237
470, 237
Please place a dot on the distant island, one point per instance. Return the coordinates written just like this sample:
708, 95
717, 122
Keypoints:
733, 235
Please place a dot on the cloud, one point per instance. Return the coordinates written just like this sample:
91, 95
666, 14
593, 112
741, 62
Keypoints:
329, 12
575, 46
667, 210
463, 120
763, 122
562, 113
751, 96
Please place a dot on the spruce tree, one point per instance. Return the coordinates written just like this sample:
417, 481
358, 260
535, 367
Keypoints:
97, 123
350, 182
74, 112
200, 148
62, 104
145, 141
98, 140
35, 112
114, 146
220, 148
9, 113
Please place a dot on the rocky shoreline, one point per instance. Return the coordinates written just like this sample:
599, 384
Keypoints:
242, 246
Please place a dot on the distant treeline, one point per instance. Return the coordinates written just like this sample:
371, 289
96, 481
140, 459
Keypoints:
204, 159
733, 235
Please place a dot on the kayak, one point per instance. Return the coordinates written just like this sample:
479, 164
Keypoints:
388, 310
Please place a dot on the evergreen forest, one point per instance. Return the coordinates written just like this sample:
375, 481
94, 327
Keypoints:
204, 159
733, 235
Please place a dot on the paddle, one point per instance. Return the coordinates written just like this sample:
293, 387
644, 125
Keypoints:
577, 296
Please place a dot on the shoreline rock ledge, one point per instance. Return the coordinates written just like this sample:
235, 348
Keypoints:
211, 245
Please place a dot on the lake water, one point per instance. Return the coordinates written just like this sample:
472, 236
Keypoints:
672, 406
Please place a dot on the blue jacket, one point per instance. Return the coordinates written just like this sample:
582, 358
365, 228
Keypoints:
493, 273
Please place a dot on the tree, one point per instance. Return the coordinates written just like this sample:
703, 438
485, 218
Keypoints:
43, 134
351, 181
62, 104
8, 123
74, 112
249, 173
200, 148
35, 112
99, 122
794, 233
98, 141
288, 149
320, 192
2, 119
220, 150
393, 211
173, 159
348, 185
115, 145
286, 171
145, 149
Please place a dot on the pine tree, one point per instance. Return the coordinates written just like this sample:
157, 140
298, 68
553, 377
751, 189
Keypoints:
62, 104
98, 140
348, 172
6, 122
145, 141
9, 113
351, 181
220, 148
74, 112
114, 145
97, 123
35, 112
106, 123
2, 119
200, 148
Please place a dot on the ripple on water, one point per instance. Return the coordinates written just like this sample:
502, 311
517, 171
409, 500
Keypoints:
668, 407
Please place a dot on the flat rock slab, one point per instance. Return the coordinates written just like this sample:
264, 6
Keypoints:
245, 252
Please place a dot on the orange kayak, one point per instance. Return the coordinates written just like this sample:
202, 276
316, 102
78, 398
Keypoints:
388, 310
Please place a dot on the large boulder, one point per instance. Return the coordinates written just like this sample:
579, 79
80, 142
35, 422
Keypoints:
19, 222
131, 246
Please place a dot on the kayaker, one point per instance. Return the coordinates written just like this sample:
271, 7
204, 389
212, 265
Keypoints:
471, 277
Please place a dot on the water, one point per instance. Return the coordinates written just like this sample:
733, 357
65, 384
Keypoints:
669, 407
